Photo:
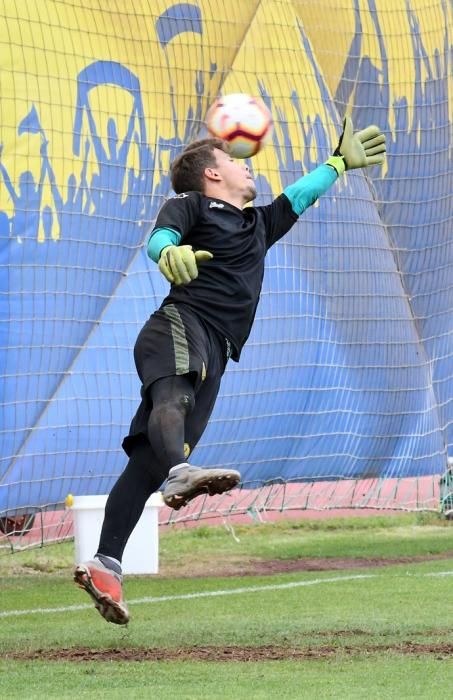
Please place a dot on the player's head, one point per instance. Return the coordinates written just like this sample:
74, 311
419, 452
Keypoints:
206, 166
188, 169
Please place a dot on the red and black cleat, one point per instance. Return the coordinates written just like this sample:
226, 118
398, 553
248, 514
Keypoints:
104, 587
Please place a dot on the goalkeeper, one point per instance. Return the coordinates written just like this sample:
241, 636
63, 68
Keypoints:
212, 252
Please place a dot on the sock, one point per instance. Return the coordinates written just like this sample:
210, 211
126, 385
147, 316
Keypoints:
111, 563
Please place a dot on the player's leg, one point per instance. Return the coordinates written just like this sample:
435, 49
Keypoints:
142, 476
185, 481
172, 354
102, 576
172, 400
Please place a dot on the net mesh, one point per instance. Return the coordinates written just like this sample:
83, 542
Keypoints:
343, 397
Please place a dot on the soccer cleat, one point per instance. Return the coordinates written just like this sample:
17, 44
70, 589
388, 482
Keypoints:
186, 482
104, 586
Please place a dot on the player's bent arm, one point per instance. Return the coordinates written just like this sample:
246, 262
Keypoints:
306, 190
178, 263
161, 238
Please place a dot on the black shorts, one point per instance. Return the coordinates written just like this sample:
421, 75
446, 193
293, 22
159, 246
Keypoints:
174, 341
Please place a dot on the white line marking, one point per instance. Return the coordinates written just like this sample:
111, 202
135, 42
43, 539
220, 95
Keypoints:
251, 589
211, 594
190, 596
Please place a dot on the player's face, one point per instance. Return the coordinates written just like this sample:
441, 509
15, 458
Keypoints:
236, 175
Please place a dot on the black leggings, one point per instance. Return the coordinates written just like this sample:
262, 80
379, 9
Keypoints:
172, 400
149, 463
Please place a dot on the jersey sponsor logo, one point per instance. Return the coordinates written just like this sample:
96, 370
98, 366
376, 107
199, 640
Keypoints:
216, 205
180, 196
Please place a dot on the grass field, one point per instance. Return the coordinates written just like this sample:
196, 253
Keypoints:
356, 608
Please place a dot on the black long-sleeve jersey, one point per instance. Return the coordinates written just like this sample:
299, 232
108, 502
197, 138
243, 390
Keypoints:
227, 289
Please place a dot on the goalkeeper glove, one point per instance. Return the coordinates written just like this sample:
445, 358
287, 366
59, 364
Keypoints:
179, 264
359, 150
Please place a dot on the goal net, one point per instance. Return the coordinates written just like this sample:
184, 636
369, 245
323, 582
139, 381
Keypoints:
344, 394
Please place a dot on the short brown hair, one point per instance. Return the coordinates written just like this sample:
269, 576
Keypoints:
187, 170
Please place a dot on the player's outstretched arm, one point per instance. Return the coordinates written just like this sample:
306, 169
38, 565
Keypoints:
358, 150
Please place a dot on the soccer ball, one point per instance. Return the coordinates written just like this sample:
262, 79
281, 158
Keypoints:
243, 121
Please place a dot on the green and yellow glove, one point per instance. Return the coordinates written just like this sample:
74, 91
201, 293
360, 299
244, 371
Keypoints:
179, 264
359, 150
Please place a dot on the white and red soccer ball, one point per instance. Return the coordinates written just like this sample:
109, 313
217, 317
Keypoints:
243, 121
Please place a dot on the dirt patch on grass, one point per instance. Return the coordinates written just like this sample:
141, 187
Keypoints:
265, 567
237, 653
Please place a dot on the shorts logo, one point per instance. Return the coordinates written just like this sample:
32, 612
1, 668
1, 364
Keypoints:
216, 205
203, 372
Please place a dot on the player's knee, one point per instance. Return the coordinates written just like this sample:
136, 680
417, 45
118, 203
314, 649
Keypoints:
176, 405
187, 402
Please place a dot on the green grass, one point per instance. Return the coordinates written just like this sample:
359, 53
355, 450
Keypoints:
375, 678
366, 626
387, 536
209, 550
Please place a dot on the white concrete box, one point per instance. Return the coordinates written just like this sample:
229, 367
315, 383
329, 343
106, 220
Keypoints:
141, 555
